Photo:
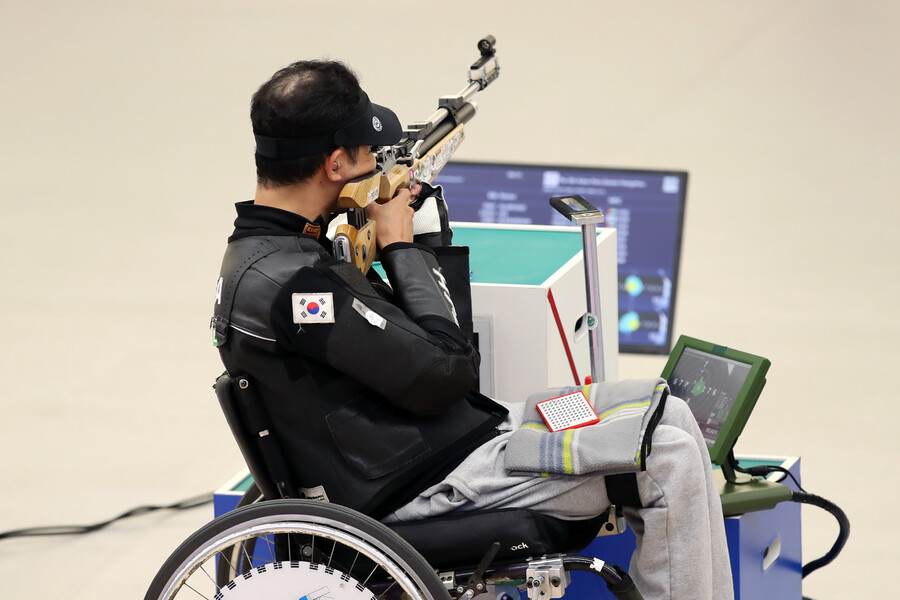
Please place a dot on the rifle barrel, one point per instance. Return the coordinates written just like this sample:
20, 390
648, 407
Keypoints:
459, 109
463, 115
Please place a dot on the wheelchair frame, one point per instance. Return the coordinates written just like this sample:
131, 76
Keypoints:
263, 547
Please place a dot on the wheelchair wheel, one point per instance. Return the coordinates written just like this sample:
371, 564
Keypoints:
289, 549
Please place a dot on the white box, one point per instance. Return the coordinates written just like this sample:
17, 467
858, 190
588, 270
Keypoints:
515, 270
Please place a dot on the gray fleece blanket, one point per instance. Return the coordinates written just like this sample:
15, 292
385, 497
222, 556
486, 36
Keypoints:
615, 444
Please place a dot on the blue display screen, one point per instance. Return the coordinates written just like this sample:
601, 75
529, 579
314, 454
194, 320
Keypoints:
646, 208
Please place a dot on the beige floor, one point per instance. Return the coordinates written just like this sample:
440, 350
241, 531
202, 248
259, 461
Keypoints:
124, 139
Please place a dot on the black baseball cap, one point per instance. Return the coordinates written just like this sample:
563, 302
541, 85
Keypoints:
368, 125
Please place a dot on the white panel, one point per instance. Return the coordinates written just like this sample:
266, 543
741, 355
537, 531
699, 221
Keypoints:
527, 353
519, 337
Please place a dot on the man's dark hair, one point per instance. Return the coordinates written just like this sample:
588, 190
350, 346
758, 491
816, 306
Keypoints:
305, 99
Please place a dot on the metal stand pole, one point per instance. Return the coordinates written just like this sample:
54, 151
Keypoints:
592, 286
587, 216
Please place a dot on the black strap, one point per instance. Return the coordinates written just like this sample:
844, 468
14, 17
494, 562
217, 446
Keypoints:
292, 148
622, 490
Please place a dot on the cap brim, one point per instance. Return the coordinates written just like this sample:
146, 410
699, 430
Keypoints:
391, 129
378, 126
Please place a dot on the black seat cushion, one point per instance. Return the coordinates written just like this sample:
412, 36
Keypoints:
463, 538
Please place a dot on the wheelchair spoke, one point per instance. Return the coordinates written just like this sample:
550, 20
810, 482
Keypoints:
364, 583
248, 549
257, 561
205, 572
270, 545
353, 564
224, 556
387, 589
188, 586
331, 556
247, 556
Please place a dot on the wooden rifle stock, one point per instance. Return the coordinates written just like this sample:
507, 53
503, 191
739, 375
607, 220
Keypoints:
419, 157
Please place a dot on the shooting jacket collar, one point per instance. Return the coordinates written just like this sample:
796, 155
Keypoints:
254, 219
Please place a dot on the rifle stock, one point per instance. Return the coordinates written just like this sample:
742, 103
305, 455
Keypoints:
381, 186
356, 245
418, 157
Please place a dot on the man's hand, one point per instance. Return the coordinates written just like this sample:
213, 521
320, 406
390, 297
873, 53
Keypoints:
393, 219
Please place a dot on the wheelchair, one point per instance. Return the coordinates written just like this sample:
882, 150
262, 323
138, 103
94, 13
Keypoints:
276, 546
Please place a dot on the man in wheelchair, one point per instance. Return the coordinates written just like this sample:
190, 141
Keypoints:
368, 385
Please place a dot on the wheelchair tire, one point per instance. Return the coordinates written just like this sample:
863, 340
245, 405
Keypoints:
382, 560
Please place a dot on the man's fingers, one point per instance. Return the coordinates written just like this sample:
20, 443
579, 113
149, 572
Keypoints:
402, 193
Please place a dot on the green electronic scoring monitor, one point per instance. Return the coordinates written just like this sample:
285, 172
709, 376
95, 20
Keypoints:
720, 385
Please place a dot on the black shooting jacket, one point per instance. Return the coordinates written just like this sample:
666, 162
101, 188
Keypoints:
369, 388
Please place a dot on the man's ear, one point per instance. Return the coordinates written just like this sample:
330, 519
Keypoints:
335, 165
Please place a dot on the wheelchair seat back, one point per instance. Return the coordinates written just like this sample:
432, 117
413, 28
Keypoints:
250, 428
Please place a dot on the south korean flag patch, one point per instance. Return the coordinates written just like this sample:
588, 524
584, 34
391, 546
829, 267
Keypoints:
312, 308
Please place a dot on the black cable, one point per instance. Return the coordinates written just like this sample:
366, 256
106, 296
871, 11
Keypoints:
763, 470
843, 534
80, 529
805, 497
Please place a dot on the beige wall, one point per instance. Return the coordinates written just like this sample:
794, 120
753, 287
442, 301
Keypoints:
124, 140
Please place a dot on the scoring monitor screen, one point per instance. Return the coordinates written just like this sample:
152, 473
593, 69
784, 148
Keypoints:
646, 207
709, 384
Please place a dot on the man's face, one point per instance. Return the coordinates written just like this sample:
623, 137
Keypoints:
365, 162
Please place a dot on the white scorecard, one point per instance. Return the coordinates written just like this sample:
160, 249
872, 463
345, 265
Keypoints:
567, 412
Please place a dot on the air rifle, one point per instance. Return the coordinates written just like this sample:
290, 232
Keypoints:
418, 157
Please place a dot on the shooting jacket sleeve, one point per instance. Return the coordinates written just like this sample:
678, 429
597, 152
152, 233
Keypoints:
409, 350
422, 290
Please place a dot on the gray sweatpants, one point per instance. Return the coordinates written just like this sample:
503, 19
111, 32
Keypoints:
681, 551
